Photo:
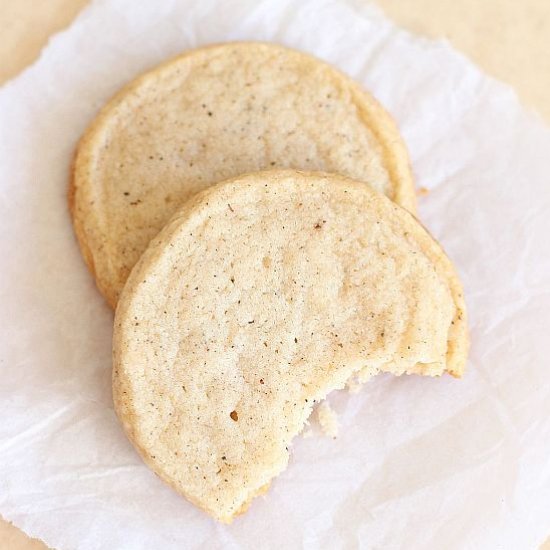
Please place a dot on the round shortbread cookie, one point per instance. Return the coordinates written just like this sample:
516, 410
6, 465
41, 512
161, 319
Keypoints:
209, 115
259, 297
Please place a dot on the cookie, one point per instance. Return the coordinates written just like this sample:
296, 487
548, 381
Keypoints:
259, 297
209, 115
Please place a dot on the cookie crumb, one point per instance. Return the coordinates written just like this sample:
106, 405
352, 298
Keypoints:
328, 420
353, 385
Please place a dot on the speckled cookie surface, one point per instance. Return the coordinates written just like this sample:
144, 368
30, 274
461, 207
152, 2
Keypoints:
209, 115
259, 297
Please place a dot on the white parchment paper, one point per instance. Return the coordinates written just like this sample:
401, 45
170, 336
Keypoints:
419, 463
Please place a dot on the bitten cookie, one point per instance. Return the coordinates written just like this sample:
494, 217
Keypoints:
259, 297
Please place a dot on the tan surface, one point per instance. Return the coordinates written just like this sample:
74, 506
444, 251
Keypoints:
253, 310
509, 39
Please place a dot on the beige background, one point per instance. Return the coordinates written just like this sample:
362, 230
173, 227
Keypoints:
510, 39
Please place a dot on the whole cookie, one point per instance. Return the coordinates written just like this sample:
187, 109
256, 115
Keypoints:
209, 115
259, 297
